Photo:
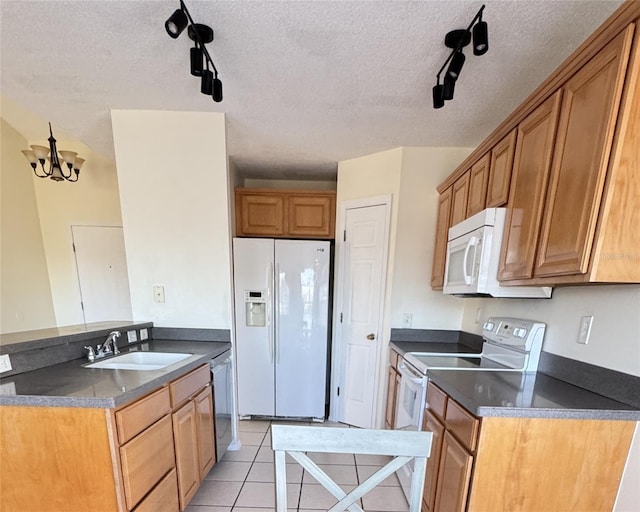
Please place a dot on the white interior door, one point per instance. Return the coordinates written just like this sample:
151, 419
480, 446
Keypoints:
102, 273
363, 262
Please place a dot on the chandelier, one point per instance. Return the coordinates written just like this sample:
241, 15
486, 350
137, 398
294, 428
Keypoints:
57, 160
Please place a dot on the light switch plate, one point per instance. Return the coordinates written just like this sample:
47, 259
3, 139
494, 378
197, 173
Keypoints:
585, 329
132, 336
144, 334
5, 363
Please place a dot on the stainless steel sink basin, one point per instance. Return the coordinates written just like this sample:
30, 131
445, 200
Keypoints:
140, 361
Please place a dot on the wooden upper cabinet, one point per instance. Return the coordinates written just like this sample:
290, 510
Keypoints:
459, 199
500, 171
311, 215
442, 234
590, 104
478, 178
285, 213
532, 162
260, 215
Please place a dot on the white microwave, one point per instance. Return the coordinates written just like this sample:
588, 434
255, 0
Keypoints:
473, 256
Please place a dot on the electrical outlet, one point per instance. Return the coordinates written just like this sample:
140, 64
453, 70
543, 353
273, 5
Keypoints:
158, 293
132, 336
406, 320
5, 363
144, 334
585, 329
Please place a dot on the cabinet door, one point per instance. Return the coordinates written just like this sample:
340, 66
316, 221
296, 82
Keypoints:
590, 103
478, 178
534, 147
460, 198
431, 424
206, 433
146, 459
500, 171
260, 215
454, 476
442, 235
392, 396
311, 216
185, 436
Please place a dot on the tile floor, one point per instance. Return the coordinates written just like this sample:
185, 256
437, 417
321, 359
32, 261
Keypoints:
244, 480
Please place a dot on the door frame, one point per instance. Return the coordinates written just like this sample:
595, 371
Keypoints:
337, 347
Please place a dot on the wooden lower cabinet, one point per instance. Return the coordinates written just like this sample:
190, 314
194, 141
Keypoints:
433, 425
164, 498
185, 434
393, 386
522, 464
129, 459
454, 475
206, 433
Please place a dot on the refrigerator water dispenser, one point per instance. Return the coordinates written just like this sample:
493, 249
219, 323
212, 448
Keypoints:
255, 308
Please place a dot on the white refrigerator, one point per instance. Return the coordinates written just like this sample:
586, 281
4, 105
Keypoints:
282, 298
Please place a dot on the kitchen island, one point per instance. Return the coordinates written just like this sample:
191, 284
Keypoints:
78, 438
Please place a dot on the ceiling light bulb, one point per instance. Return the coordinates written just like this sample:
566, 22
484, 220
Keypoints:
176, 23
456, 65
448, 88
480, 38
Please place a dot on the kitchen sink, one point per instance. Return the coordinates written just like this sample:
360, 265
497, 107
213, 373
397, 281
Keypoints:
140, 361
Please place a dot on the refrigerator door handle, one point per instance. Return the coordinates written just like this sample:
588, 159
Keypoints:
270, 311
277, 312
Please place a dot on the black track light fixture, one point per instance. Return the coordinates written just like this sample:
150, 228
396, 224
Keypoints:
457, 40
200, 60
438, 95
176, 23
480, 38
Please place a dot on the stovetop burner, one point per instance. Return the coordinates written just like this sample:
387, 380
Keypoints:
511, 344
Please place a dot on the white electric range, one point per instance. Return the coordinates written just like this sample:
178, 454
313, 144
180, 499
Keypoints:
510, 345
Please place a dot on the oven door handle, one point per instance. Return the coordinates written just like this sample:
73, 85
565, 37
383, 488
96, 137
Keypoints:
406, 372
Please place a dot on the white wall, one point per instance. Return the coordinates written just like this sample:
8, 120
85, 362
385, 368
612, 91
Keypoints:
92, 201
615, 333
25, 294
172, 169
290, 184
422, 171
410, 176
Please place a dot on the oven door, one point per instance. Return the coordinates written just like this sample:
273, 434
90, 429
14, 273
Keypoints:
411, 398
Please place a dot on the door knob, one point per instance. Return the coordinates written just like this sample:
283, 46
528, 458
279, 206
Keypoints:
371, 336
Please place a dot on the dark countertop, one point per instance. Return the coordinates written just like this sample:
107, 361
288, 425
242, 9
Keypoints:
71, 385
516, 394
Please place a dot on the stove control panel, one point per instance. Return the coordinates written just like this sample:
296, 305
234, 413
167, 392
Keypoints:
514, 332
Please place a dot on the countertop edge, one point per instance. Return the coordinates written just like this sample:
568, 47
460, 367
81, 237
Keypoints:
180, 369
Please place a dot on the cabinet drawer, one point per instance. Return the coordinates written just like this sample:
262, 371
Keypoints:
189, 385
436, 400
134, 418
464, 425
146, 459
164, 498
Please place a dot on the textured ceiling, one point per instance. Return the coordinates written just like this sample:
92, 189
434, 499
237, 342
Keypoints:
306, 83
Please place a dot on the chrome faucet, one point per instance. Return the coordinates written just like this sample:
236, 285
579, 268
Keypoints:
105, 348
